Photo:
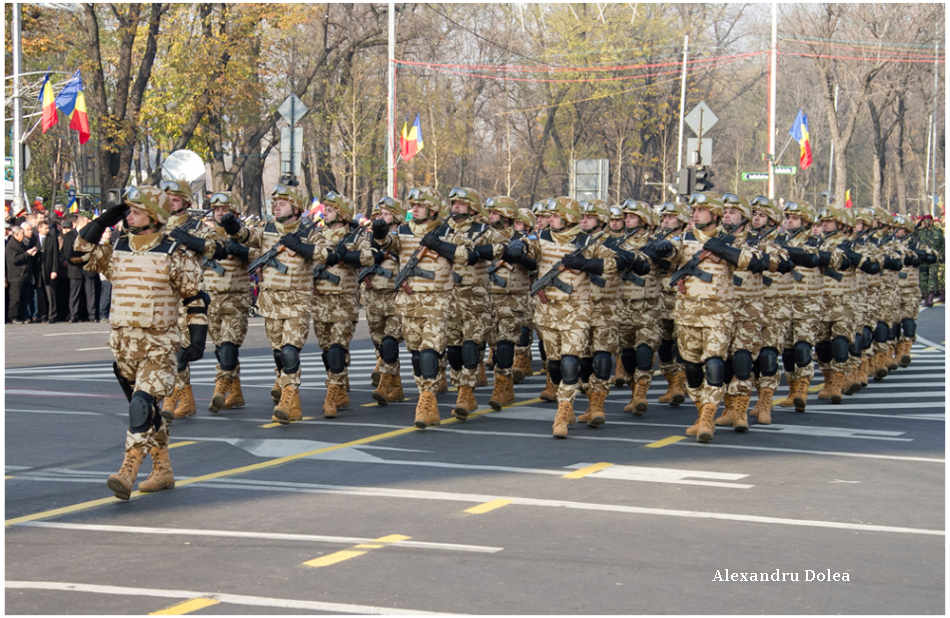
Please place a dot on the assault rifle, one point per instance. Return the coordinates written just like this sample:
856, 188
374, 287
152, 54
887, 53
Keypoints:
269, 257
626, 275
320, 270
194, 224
551, 278
691, 268
411, 269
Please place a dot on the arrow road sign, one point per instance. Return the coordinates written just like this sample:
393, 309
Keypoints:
788, 170
755, 175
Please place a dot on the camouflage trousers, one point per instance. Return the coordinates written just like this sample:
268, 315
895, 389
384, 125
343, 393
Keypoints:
748, 318
470, 319
910, 307
510, 313
806, 316
776, 323
290, 331
383, 322
183, 377
931, 278
566, 342
227, 322
422, 334
334, 320
699, 343
668, 331
147, 358
837, 320
640, 324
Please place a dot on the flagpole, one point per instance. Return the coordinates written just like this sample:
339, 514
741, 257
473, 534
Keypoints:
772, 93
17, 110
831, 165
391, 105
679, 152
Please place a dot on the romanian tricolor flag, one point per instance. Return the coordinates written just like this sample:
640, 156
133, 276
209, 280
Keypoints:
49, 105
799, 133
410, 142
72, 102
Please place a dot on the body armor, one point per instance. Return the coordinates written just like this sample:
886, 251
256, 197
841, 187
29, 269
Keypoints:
299, 273
477, 273
340, 278
142, 296
551, 252
439, 267
720, 288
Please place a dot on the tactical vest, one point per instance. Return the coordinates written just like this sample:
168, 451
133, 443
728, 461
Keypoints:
439, 267
633, 286
382, 282
299, 271
339, 278
551, 252
810, 284
910, 275
471, 274
142, 296
234, 279
720, 288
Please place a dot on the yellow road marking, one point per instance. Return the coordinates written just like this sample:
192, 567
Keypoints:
305, 418
576, 474
929, 349
376, 403
82, 506
185, 443
665, 441
346, 554
8, 477
488, 506
816, 388
185, 608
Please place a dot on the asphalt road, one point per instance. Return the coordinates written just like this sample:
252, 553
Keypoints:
364, 514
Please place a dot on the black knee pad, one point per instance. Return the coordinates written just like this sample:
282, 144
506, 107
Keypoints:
757, 366
644, 357
866, 338
278, 360
429, 364
140, 411
628, 358
768, 361
587, 368
676, 354
554, 370
336, 358
728, 371
228, 356
894, 331
742, 364
694, 374
857, 345
840, 347
788, 359
472, 354
504, 354
880, 332
541, 352
525, 337
665, 351
454, 354
570, 369
217, 353
389, 350
715, 371
909, 327
416, 359
802, 354
326, 360
602, 363
823, 351
290, 356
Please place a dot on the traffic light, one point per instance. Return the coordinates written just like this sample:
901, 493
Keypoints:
703, 180
687, 181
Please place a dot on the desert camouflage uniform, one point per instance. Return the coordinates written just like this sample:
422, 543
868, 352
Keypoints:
807, 308
230, 295
748, 317
378, 298
606, 316
511, 304
640, 312
837, 317
777, 302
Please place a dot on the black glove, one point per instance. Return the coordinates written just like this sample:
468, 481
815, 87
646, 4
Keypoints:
893, 263
853, 256
238, 250
514, 252
633, 262
298, 246
192, 242
220, 251
664, 248
379, 256
380, 229
230, 223
196, 349
529, 263
444, 248
824, 258
351, 258
93, 232
430, 241
333, 258
485, 252
574, 261
715, 246
649, 251
785, 266
909, 260
805, 259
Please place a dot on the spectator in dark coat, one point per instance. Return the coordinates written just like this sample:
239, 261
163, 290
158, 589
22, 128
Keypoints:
18, 261
48, 277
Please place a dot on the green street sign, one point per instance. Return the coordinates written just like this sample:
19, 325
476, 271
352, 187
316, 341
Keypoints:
755, 175
787, 170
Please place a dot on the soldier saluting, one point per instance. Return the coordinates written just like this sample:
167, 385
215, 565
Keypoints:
150, 276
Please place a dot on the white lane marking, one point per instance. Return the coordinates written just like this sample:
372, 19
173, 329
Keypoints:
931, 343
71, 412
810, 452
235, 599
833, 432
92, 332
583, 506
91, 349
665, 475
275, 536
871, 406
24, 391
912, 417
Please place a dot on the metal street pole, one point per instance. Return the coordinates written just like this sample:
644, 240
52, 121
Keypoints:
933, 153
17, 110
679, 152
772, 91
831, 164
391, 104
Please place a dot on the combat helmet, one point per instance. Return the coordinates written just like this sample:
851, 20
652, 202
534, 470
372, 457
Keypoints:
393, 205
225, 198
151, 199
426, 196
342, 204
503, 205
707, 201
289, 193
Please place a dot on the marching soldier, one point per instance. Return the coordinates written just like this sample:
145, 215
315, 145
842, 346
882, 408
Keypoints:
563, 315
524, 229
378, 298
288, 252
931, 280
673, 222
229, 286
336, 306
704, 307
150, 277
193, 234
914, 257
869, 290
616, 222
885, 331
510, 279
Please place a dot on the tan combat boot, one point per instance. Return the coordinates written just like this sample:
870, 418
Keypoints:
837, 381
638, 399
550, 391
864, 371
891, 358
594, 417
276, 391
335, 400
679, 388
503, 393
667, 397
383, 386
788, 402
517, 368
443, 384
903, 352
740, 414
161, 476
849, 382
135, 450
235, 398
827, 387
565, 418
482, 379
186, 403
396, 393
221, 386
427, 411
168, 406
728, 412
464, 403
800, 394
620, 375
707, 428
692, 431
376, 376
287, 409
880, 366
763, 407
